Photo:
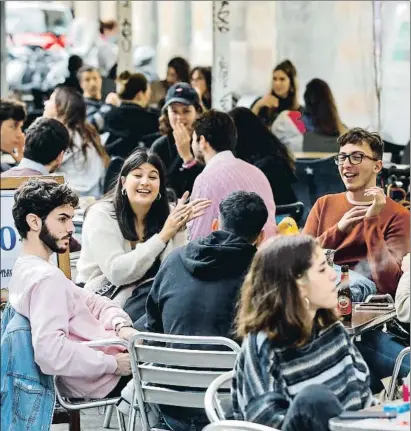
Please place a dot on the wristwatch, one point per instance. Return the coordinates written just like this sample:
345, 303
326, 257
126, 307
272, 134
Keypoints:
122, 325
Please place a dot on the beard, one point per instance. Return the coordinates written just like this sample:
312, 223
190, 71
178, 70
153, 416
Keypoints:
51, 241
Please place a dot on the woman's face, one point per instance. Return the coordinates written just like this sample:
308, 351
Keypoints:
172, 76
142, 184
180, 113
146, 96
198, 82
50, 110
319, 283
281, 84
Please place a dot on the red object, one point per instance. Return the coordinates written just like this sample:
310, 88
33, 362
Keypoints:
405, 393
44, 40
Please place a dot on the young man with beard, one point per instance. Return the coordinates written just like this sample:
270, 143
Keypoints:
363, 225
61, 314
91, 84
213, 143
196, 290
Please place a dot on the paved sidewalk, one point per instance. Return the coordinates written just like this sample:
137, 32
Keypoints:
91, 420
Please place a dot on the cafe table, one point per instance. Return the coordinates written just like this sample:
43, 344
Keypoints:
400, 423
312, 155
363, 321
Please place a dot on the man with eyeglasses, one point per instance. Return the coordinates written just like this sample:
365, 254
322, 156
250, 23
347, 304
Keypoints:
363, 225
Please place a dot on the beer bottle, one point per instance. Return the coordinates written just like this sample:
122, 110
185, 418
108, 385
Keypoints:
344, 295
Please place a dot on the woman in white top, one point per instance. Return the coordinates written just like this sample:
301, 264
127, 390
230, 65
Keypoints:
85, 161
127, 234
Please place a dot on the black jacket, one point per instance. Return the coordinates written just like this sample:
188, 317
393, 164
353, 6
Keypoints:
178, 178
280, 177
128, 125
196, 289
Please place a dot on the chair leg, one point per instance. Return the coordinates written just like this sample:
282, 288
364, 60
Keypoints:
107, 417
121, 420
74, 424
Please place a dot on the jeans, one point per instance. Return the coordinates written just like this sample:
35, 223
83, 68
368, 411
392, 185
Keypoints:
311, 410
379, 350
360, 286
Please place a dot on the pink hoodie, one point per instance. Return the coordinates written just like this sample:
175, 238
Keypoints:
62, 315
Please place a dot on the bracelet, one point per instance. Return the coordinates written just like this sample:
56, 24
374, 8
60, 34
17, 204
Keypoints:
190, 164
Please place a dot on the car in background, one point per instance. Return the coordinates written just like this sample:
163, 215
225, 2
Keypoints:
37, 23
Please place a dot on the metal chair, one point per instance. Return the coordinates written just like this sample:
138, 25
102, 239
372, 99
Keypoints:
71, 405
157, 367
212, 400
294, 210
237, 426
398, 362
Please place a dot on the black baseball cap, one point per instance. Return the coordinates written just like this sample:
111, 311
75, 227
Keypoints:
182, 92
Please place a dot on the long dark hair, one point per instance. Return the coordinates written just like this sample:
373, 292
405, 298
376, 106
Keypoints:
71, 111
206, 74
182, 68
123, 212
270, 298
320, 105
291, 100
255, 141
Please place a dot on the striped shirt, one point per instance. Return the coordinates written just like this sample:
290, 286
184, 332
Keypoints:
267, 377
223, 175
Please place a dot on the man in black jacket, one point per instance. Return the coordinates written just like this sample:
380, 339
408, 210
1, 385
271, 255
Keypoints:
196, 289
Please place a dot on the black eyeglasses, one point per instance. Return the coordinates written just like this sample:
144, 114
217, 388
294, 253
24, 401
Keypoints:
354, 158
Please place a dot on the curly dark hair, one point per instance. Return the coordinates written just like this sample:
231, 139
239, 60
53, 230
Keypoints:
358, 136
40, 196
270, 299
12, 109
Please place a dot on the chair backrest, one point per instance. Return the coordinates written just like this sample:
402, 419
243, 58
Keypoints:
112, 172
213, 399
237, 426
166, 375
317, 142
294, 210
316, 178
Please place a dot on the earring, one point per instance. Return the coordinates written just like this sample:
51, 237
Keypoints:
307, 303
158, 197
124, 192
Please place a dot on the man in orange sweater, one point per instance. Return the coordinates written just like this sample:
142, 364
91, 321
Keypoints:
363, 225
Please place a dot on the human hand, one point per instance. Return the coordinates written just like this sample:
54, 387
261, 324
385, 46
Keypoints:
351, 217
378, 203
177, 219
405, 265
123, 364
182, 138
270, 101
127, 333
113, 99
198, 207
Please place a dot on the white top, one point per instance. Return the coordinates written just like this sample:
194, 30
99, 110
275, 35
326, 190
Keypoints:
105, 254
402, 298
85, 176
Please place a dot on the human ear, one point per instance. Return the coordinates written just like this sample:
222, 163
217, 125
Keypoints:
215, 225
34, 221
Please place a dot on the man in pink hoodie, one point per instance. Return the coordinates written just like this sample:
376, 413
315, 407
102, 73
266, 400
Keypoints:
61, 314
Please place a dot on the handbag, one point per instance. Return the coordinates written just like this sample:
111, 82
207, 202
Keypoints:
401, 331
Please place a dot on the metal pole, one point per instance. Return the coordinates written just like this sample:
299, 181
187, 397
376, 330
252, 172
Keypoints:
221, 88
4, 87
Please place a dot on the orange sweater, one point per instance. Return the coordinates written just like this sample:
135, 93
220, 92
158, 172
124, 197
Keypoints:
380, 241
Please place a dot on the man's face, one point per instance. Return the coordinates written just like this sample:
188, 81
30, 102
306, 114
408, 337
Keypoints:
195, 146
360, 176
11, 135
58, 228
90, 83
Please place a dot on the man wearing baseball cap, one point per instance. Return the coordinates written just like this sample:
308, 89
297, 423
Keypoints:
182, 107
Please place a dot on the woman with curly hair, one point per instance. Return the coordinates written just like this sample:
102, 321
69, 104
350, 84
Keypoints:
297, 367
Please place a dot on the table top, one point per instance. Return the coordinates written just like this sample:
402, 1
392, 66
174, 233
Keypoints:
401, 423
312, 155
365, 320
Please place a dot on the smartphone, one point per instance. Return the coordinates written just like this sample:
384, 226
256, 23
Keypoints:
367, 415
369, 306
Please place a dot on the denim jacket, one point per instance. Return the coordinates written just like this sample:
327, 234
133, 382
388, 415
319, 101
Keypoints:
27, 395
